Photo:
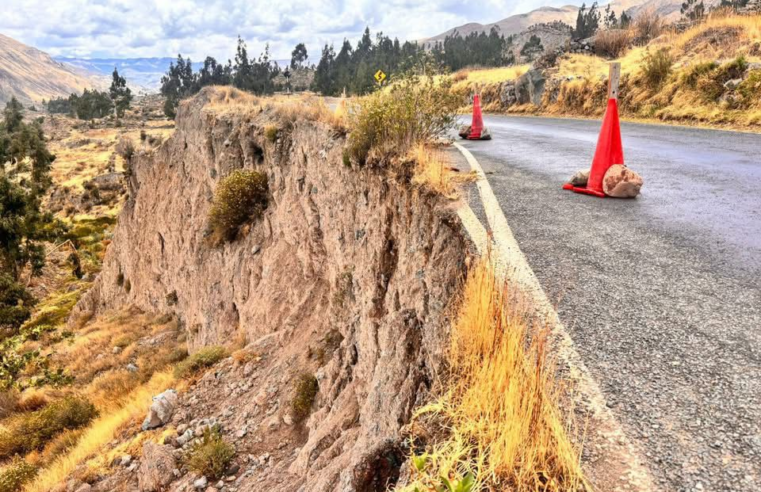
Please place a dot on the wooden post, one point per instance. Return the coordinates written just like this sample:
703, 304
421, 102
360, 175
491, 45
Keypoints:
614, 77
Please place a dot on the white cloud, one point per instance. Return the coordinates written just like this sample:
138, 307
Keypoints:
148, 28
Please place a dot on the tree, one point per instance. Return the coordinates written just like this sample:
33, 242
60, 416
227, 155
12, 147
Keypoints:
610, 18
121, 95
693, 9
532, 47
587, 22
24, 227
626, 20
299, 56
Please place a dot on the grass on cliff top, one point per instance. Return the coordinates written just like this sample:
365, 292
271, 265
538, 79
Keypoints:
500, 419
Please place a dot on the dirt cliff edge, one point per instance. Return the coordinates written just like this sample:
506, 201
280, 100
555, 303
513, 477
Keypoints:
352, 254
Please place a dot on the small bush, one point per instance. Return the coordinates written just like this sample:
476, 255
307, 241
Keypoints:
127, 286
647, 25
32, 401
126, 148
8, 403
656, 67
612, 42
460, 76
206, 357
305, 391
211, 455
692, 74
16, 474
750, 89
393, 121
241, 197
120, 279
270, 133
32, 431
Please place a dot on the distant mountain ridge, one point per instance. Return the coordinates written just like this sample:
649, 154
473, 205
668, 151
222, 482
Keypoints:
515, 24
32, 75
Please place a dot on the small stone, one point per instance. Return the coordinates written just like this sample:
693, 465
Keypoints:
201, 483
161, 410
131, 367
256, 249
116, 350
125, 460
621, 182
287, 419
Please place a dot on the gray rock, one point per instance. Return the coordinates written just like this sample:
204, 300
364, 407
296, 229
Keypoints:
529, 87
580, 178
131, 367
201, 483
156, 467
732, 84
161, 410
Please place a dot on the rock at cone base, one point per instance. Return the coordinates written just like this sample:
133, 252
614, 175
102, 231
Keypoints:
464, 131
161, 410
485, 134
156, 466
580, 178
621, 182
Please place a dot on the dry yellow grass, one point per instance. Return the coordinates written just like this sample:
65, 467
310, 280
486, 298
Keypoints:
491, 75
721, 43
434, 171
500, 416
99, 434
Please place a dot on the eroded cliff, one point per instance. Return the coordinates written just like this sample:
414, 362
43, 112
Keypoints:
355, 264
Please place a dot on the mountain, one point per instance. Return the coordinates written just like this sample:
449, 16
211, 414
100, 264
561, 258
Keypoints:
32, 75
515, 24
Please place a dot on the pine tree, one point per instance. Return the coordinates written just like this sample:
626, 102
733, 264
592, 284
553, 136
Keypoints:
299, 56
121, 95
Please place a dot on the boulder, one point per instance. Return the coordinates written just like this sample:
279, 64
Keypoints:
161, 410
529, 87
621, 182
156, 467
580, 178
464, 131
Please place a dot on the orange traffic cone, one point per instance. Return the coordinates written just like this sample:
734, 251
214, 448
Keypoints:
477, 126
609, 151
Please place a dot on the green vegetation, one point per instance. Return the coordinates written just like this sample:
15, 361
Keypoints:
24, 177
305, 391
90, 105
17, 473
656, 67
532, 47
389, 122
270, 133
204, 358
587, 22
239, 198
210, 456
32, 431
121, 95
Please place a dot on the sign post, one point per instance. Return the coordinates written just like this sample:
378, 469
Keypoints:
380, 76
614, 78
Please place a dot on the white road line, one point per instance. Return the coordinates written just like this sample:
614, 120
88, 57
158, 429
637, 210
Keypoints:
512, 264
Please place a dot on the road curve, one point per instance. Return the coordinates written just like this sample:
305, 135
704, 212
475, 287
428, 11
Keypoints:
662, 294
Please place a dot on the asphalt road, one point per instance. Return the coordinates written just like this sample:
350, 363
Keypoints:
661, 294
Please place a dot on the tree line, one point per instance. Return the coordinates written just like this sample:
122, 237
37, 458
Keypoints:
24, 178
94, 104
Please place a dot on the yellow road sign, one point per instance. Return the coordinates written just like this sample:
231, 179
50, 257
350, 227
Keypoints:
380, 76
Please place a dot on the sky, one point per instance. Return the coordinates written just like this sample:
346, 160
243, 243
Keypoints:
197, 28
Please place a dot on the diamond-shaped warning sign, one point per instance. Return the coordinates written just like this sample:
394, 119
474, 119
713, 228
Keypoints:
380, 76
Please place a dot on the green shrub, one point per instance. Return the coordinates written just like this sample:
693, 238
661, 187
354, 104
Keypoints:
656, 67
270, 133
394, 120
750, 89
241, 197
17, 473
305, 391
691, 76
211, 455
15, 303
206, 357
32, 431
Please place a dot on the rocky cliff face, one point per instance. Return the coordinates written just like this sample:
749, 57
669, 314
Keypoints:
352, 256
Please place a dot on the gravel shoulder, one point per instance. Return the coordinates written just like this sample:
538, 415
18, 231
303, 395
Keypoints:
661, 294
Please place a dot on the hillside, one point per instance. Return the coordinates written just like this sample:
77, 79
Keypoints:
515, 24
32, 75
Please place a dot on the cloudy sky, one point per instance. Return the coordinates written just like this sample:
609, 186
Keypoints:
149, 28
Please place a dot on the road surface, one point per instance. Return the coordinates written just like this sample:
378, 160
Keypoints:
661, 294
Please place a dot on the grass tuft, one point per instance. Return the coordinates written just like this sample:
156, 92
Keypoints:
204, 358
211, 455
499, 421
305, 392
239, 198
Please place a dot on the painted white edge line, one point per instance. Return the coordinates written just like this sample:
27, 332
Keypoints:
513, 266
